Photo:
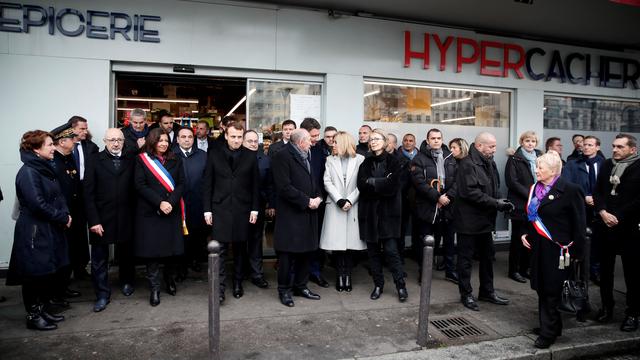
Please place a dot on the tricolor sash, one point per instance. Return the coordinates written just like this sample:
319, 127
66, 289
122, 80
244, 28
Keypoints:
164, 178
532, 214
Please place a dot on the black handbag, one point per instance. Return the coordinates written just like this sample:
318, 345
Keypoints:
575, 291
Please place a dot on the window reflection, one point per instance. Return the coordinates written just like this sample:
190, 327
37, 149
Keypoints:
577, 113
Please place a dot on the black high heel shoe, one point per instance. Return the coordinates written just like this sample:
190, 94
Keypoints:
340, 283
347, 283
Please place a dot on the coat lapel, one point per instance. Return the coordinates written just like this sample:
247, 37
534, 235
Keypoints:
298, 159
108, 163
351, 167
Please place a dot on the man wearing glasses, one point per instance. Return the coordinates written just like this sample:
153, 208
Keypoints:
108, 197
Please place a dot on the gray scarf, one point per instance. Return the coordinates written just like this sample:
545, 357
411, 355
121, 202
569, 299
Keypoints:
619, 166
304, 155
531, 158
438, 155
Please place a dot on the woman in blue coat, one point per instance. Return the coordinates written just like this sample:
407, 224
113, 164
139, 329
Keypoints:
39, 245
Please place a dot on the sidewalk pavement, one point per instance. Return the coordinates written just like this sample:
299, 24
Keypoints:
340, 326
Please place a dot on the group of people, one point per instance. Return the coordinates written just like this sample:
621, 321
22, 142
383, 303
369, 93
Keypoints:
159, 191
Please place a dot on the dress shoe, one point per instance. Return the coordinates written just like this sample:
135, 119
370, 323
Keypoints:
100, 304
375, 294
629, 324
286, 300
171, 287
452, 276
403, 295
68, 293
470, 303
517, 277
222, 297
347, 283
154, 299
306, 293
51, 318
260, 282
319, 280
127, 289
494, 299
238, 291
339, 283
543, 342
62, 303
36, 322
604, 315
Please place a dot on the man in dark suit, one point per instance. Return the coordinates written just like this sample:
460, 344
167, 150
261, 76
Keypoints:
231, 201
109, 202
170, 127
83, 151
363, 140
203, 141
318, 157
296, 232
287, 128
266, 209
194, 161
617, 200
475, 209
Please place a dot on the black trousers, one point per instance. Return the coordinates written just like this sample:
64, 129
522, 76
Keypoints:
254, 248
411, 223
36, 290
344, 262
292, 263
549, 316
518, 254
388, 249
153, 271
78, 239
483, 246
631, 268
443, 233
318, 257
100, 267
239, 258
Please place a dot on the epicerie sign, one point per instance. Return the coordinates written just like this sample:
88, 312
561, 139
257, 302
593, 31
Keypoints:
19, 18
612, 72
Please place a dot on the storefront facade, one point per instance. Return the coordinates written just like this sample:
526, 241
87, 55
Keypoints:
63, 58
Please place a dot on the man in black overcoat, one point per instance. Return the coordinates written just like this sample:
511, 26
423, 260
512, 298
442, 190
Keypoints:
296, 231
617, 201
287, 128
231, 201
136, 132
194, 162
109, 203
475, 209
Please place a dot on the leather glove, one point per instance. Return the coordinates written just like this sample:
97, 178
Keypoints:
505, 205
341, 203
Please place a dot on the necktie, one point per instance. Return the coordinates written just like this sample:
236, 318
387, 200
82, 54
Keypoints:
76, 156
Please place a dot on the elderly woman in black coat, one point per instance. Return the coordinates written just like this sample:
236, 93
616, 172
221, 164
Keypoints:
159, 220
379, 213
520, 174
39, 244
557, 225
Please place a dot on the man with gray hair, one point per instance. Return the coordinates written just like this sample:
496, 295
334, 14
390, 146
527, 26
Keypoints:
109, 196
135, 132
475, 209
296, 231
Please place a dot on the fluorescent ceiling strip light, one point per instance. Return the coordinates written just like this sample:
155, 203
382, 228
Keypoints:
451, 101
458, 119
244, 98
372, 93
129, 109
187, 101
430, 87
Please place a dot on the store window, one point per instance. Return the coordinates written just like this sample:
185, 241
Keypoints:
590, 114
406, 103
271, 102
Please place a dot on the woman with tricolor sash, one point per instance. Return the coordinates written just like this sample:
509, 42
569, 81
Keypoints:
555, 235
159, 224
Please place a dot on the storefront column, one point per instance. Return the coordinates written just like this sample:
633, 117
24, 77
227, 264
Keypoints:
344, 102
529, 115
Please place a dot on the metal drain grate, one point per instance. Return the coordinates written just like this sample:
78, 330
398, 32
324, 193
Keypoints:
457, 327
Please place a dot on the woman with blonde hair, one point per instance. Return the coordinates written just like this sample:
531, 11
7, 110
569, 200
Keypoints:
379, 213
340, 232
520, 174
555, 235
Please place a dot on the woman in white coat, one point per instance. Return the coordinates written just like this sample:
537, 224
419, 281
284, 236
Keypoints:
340, 232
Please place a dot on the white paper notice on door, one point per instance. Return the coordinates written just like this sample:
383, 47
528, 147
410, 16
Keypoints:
303, 106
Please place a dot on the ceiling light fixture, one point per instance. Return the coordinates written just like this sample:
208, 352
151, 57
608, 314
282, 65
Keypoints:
244, 98
372, 93
431, 87
458, 119
451, 101
186, 101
